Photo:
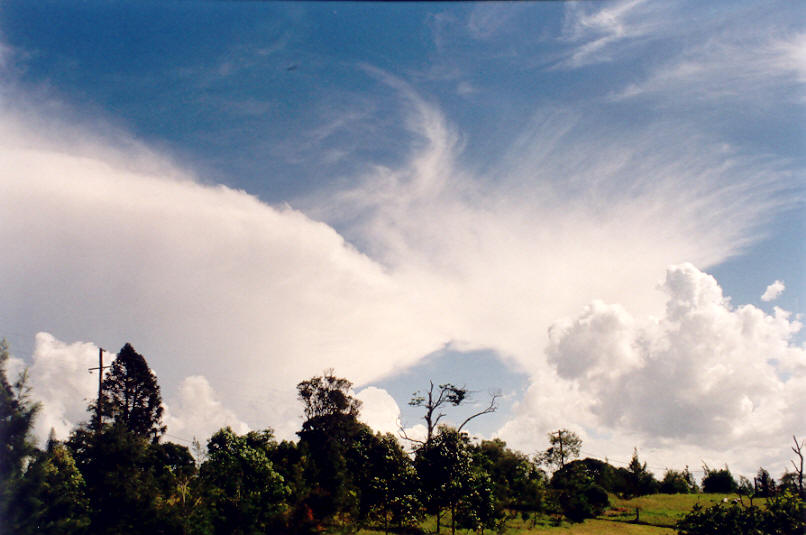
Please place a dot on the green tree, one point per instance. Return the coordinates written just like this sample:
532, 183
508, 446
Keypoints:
327, 395
17, 414
51, 497
518, 483
640, 481
564, 446
123, 481
388, 481
577, 492
444, 467
327, 435
244, 493
720, 481
131, 395
764, 484
678, 482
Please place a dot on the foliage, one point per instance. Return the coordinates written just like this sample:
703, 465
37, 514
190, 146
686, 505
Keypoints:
131, 395
122, 480
386, 480
518, 483
678, 482
243, 492
782, 516
764, 484
17, 413
326, 438
577, 493
445, 470
51, 497
564, 446
639, 480
718, 480
327, 395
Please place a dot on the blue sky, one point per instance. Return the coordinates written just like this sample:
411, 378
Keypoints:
545, 199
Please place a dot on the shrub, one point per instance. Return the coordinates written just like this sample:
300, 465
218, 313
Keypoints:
783, 516
718, 480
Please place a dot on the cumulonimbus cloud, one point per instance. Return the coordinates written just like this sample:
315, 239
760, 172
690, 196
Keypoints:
208, 280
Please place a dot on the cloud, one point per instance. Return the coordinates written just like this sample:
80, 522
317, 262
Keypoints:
60, 381
595, 33
379, 410
773, 291
114, 243
704, 374
738, 65
196, 412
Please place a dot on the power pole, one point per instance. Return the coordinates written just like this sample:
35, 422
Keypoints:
100, 369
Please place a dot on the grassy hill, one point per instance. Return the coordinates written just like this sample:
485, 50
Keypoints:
657, 516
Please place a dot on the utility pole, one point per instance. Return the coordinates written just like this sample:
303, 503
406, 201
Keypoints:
100, 369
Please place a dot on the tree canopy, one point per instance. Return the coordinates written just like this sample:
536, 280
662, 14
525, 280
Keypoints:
131, 395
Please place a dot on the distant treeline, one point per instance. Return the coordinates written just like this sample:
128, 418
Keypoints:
115, 474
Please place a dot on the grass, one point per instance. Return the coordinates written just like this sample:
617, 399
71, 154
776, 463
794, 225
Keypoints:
658, 514
659, 509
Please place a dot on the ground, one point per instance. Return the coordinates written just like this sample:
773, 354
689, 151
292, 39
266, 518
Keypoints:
657, 516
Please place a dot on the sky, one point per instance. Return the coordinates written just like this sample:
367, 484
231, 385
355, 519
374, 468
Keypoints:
591, 209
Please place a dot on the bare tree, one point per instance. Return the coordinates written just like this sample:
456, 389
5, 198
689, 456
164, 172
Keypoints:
437, 398
798, 449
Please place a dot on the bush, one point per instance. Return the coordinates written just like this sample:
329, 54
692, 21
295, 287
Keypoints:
783, 516
720, 481
578, 495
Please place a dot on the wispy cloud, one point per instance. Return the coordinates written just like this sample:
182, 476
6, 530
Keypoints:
596, 33
743, 66
207, 280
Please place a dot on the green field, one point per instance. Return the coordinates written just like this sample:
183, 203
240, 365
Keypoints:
657, 516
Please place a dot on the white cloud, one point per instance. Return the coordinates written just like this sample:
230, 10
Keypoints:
739, 65
60, 380
703, 375
596, 33
380, 410
773, 291
196, 412
207, 280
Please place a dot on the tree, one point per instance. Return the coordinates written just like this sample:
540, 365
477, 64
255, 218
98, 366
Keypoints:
640, 480
326, 437
122, 481
327, 395
388, 481
798, 450
131, 395
565, 445
17, 414
244, 493
51, 497
764, 484
678, 482
518, 483
445, 470
577, 492
446, 394
718, 480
